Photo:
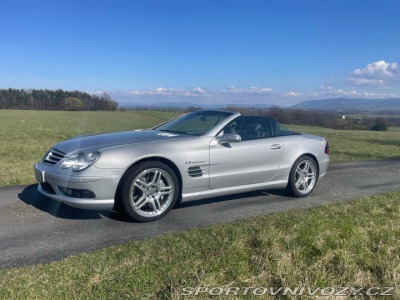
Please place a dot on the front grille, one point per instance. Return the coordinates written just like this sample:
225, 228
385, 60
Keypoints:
77, 193
53, 156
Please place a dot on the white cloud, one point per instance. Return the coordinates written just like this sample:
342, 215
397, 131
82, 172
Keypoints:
379, 73
97, 93
237, 95
233, 90
198, 90
161, 91
135, 93
327, 91
251, 90
293, 94
265, 90
378, 95
198, 95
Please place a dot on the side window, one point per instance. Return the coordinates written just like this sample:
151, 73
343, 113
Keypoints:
257, 128
233, 127
252, 127
253, 131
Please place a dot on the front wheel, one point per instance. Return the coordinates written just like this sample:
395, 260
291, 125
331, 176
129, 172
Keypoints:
303, 177
148, 191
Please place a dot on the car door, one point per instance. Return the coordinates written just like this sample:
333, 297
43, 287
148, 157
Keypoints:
255, 159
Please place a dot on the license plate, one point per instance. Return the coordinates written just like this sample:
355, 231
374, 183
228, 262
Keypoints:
39, 176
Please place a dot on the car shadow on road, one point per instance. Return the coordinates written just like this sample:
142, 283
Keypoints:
31, 196
190, 203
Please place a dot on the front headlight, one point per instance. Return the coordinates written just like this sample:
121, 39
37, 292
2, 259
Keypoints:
80, 161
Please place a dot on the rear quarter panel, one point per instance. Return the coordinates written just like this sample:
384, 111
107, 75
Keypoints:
299, 145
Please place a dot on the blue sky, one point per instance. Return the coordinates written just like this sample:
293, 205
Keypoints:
278, 52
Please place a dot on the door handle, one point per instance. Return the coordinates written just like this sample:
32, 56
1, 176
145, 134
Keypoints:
276, 147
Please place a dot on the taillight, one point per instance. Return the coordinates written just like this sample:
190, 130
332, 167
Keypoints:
327, 148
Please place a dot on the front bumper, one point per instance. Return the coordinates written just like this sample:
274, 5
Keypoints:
103, 185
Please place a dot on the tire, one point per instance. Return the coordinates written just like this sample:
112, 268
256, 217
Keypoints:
148, 191
178, 201
303, 177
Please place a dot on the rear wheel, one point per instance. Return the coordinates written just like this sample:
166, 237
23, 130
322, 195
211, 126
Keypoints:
303, 177
148, 191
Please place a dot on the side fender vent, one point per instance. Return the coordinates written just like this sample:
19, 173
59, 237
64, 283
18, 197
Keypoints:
195, 171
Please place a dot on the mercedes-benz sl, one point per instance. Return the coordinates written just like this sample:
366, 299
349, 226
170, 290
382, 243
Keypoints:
202, 154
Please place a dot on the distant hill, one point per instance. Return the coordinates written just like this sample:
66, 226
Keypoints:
346, 104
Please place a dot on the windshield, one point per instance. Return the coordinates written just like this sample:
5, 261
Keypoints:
195, 123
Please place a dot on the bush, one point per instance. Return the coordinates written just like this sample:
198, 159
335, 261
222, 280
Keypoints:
381, 124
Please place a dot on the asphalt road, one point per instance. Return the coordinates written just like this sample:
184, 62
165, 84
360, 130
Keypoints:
35, 229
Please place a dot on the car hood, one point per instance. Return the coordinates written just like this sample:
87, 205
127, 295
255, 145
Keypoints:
102, 141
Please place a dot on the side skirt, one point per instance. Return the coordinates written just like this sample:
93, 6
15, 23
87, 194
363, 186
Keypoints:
235, 190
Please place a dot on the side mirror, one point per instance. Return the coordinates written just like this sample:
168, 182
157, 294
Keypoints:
229, 138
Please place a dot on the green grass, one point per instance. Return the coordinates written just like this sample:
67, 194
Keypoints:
354, 244
351, 145
26, 135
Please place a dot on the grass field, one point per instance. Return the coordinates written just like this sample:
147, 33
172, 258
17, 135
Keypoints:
26, 135
354, 244
350, 145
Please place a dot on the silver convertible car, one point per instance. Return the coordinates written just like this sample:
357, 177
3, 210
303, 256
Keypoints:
206, 153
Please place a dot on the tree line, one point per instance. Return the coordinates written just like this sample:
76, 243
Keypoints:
54, 100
